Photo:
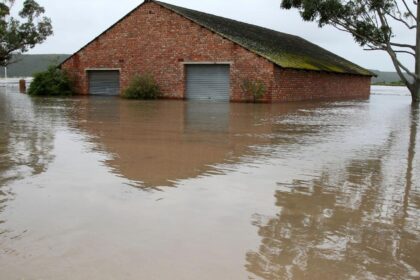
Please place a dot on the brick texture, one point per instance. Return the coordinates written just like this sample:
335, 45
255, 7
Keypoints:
294, 85
155, 40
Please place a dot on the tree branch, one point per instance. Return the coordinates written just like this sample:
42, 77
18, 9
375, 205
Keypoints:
409, 10
381, 49
402, 45
350, 28
402, 21
377, 45
398, 65
405, 52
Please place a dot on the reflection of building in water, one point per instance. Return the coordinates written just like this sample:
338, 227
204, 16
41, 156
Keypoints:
160, 142
361, 221
202, 116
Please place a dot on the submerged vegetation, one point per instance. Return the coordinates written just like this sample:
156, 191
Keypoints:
255, 89
53, 82
142, 87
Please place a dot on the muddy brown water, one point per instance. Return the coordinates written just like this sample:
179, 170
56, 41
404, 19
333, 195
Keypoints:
104, 188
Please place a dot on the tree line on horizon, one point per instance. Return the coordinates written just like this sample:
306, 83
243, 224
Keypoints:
26, 65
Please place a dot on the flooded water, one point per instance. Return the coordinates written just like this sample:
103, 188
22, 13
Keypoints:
390, 90
104, 188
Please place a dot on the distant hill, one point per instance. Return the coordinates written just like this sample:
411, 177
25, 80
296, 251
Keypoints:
28, 64
386, 77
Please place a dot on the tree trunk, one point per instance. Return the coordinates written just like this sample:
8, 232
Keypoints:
415, 93
415, 90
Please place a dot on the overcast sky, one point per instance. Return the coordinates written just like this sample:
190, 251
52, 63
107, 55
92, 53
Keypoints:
76, 22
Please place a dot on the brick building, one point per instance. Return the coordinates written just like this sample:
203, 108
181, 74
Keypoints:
194, 55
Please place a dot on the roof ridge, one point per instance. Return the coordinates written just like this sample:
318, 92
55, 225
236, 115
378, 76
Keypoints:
174, 7
225, 18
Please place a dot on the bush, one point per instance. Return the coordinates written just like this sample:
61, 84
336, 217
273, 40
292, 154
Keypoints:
142, 87
53, 82
255, 89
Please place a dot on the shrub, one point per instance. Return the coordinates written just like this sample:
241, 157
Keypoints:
142, 87
53, 82
255, 89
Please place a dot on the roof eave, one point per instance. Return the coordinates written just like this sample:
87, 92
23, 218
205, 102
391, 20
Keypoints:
325, 71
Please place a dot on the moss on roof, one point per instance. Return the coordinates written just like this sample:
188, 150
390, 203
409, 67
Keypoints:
282, 49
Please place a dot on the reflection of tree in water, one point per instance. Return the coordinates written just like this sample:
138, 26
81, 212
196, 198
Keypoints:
410, 161
26, 140
357, 224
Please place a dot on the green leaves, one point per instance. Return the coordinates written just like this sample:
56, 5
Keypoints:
142, 87
254, 88
359, 17
31, 9
53, 82
18, 35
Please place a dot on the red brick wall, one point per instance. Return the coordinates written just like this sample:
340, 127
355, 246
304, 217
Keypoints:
158, 41
297, 85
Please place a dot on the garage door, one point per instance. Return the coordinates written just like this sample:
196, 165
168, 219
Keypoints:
104, 82
208, 82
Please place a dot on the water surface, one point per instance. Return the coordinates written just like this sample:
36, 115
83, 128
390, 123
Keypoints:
104, 188
390, 90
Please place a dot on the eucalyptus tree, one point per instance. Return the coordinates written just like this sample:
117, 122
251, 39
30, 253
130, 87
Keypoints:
22, 30
371, 22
